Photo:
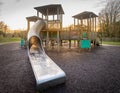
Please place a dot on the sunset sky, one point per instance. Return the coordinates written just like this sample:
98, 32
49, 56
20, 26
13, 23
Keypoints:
14, 12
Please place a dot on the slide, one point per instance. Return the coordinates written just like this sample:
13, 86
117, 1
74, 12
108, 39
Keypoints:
47, 73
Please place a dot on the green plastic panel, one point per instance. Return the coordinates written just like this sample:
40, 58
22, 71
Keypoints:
22, 42
85, 44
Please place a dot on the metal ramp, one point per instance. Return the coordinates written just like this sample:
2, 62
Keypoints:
46, 72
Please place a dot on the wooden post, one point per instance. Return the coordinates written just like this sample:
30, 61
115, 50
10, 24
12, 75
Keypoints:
69, 44
61, 17
88, 26
81, 22
60, 28
58, 38
42, 16
92, 26
74, 23
74, 43
78, 43
37, 13
53, 21
28, 25
81, 26
101, 30
95, 30
77, 22
61, 43
47, 41
90, 23
61, 22
95, 24
53, 17
47, 15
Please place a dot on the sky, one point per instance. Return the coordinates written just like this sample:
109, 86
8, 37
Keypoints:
14, 12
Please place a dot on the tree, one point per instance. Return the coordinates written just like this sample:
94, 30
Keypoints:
1, 25
3, 28
109, 16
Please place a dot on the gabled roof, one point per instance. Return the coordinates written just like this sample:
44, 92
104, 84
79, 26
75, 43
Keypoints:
52, 9
85, 15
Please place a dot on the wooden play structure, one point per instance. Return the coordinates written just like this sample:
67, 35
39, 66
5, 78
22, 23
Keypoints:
52, 15
84, 26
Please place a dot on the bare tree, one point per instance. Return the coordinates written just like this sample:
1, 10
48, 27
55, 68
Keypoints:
1, 25
110, 15
3, 28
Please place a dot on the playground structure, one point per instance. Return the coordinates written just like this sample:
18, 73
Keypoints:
52, 15
48, 29
84, 23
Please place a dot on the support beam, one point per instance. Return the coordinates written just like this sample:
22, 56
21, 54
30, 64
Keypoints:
28, 25
58, 35
53, 17
37, 13
74, 23
47, 15
69, 44
90, 23
42, 16
78, 43
78, 22
47, 41
61, 22
87, 25
95, 24
81, 22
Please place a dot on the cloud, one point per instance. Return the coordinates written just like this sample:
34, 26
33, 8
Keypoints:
1, 3
17, 1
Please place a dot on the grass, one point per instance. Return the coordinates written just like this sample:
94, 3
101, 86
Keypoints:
111, 42
4, 40
15, 39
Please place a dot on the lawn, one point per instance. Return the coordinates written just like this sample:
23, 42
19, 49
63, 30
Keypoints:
3, 40
111, 42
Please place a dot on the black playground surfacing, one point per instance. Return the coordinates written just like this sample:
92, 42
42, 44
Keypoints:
97, 71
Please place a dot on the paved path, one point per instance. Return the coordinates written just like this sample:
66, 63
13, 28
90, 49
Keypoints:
109, 45
97, 71
9, 42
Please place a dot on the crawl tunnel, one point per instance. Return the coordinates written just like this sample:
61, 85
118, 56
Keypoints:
34, 45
